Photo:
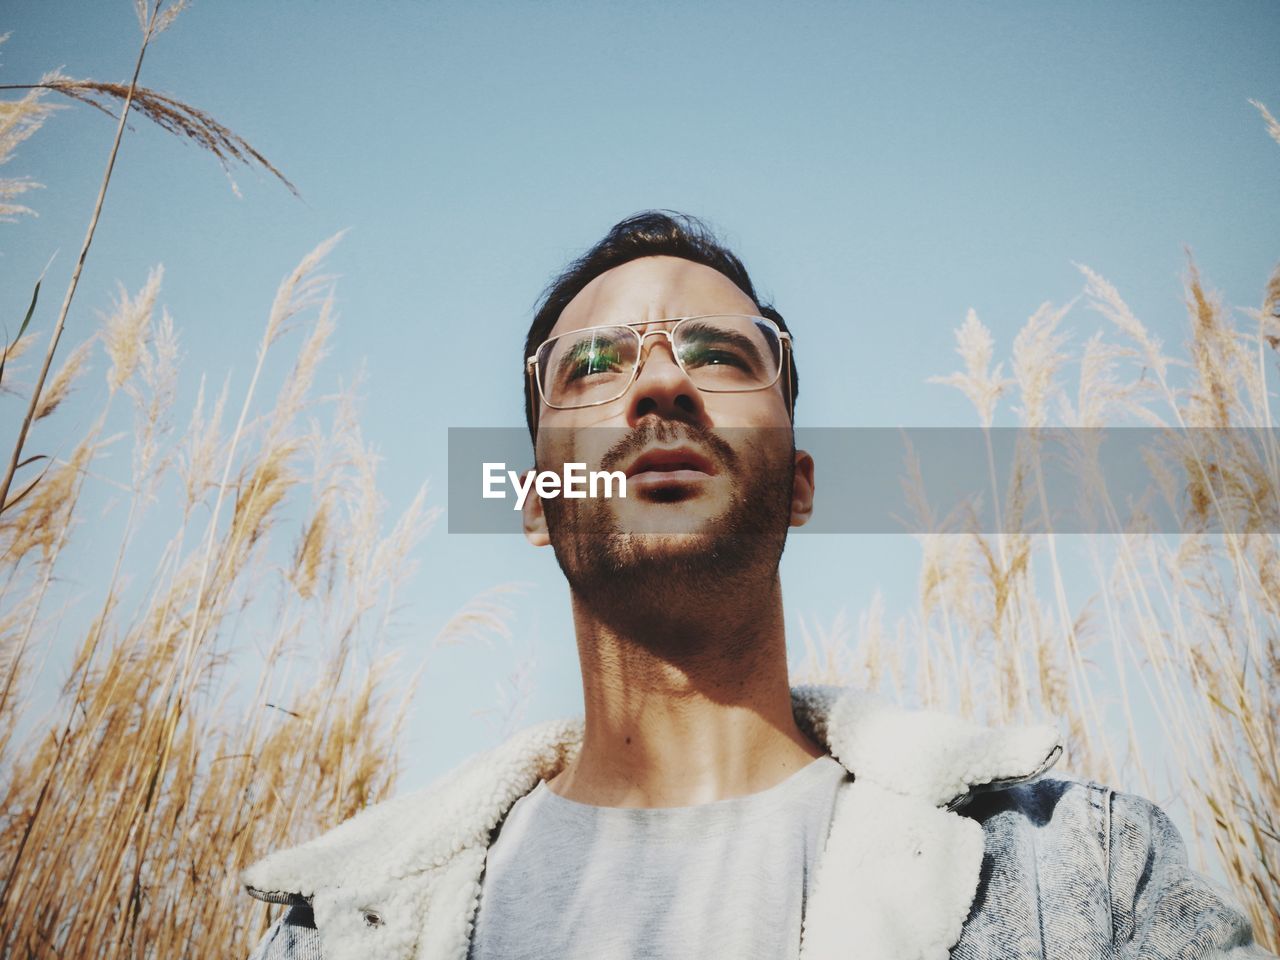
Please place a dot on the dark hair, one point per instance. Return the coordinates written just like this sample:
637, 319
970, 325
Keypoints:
653, 233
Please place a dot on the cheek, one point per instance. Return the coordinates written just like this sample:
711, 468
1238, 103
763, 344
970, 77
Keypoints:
755, 408
582, 443
550, 452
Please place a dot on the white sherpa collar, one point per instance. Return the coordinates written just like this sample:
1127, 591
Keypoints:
935, 756
912, 762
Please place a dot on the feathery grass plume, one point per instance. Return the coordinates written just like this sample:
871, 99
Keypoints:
260, 489
197, 465
1273, 126
164, 16
168, 113
1036, 358
1216, 358
1197, 614
14, 351
298, 291
292, 396
127, 329
39, 519
1271, 308
60, 386
19, 119
481, 618
1101, 398
13, 671
158, 373
44, 521
839, 653
879, 656
1192, 620
1106, 300
131, 817
828, 653
364, 508
514, 693
982, 385
412, 526
945, 591
311, 551
172, 115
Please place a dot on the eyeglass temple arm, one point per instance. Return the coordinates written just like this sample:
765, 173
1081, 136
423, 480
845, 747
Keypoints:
791, 397
534, 398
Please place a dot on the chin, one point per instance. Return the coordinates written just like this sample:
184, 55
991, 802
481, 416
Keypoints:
690, 518
672, 545
622, 550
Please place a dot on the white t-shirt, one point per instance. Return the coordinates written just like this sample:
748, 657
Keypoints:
570, 881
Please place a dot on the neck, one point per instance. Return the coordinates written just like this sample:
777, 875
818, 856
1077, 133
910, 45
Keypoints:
684, 709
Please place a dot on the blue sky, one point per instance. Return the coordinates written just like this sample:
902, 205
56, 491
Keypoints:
880, 167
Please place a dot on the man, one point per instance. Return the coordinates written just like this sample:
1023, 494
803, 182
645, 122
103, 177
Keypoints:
702, 808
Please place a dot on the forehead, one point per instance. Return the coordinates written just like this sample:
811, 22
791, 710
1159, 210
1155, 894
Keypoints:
653, 288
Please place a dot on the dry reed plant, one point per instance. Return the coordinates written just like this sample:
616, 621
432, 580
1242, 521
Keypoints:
169, 114
157, 779
130, 807
1191, 621
20, 119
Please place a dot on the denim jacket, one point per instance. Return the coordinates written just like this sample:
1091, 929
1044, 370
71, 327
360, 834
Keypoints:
946, 840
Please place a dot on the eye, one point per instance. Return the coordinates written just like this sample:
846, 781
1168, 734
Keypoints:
721, 344
707, 355
592, 358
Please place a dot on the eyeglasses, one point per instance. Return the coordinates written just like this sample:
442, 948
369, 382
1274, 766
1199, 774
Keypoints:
719, 354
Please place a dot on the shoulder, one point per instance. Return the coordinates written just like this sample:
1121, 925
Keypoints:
370, 884
1123, 829
1046, 804
1118, 851
1155, 891
1051, 826
426, 828
1126, 828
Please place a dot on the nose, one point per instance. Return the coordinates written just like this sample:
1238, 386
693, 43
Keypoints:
661, 387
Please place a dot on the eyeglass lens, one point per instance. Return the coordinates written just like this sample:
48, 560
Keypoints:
719, 354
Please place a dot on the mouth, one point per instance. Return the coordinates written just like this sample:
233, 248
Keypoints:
668, 466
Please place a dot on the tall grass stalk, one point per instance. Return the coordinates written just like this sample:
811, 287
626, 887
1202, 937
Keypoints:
1192, 620
126, 822
21, 119
34, 403
129, 808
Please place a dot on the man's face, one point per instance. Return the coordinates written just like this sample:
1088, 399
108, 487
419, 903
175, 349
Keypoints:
713, 479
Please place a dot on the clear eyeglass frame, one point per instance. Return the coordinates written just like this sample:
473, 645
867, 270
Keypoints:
533, 368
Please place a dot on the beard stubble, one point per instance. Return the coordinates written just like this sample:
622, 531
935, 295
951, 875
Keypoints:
645, 576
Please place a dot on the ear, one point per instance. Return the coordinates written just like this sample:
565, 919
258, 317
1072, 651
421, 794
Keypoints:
535, 520
802, 489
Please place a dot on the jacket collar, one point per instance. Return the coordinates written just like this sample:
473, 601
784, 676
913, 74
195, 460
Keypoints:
936, 757
906, 763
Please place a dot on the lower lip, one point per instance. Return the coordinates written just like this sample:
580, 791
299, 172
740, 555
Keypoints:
665, 478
